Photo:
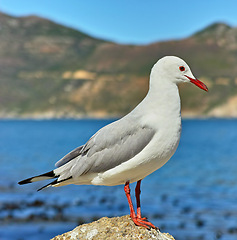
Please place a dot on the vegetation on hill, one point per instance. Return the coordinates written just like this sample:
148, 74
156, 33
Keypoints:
49, 70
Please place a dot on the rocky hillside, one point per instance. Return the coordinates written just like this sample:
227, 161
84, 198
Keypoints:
48, 70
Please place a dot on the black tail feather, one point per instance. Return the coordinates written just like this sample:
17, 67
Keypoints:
44, 176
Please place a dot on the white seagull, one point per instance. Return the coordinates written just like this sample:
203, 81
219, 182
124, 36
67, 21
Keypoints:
134, 146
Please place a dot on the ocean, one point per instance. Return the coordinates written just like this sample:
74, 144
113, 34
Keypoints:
193, 196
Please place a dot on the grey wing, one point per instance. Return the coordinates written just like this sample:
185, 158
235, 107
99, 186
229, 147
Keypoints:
70, 156
111, 146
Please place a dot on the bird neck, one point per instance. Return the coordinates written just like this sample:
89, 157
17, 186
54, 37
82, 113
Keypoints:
163, 97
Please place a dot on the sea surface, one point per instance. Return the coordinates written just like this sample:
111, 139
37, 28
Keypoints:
193, 197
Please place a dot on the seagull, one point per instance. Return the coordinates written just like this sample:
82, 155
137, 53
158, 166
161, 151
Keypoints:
134, 146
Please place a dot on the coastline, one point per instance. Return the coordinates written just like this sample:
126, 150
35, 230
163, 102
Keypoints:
107, 117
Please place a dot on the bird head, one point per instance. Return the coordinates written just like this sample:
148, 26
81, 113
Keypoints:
176, 70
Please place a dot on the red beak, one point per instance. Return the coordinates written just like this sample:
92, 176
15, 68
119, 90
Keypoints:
198, 83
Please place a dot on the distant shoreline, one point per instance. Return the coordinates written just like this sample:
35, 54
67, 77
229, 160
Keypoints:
104, 118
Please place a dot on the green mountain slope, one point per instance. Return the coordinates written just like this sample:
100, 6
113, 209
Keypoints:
48, 70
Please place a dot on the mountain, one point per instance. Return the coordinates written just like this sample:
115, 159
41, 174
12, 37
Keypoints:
49, 70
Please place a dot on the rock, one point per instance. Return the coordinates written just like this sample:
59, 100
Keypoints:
112, 228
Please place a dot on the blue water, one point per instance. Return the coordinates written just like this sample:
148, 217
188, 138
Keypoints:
192, 197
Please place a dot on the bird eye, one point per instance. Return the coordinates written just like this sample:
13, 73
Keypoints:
182, 68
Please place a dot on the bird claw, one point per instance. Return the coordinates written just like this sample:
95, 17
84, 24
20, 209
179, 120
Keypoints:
143, 222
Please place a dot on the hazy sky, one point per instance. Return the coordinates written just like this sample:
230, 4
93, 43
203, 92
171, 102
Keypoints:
129, 21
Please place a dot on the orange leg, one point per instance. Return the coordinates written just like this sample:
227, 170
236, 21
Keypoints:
137, 219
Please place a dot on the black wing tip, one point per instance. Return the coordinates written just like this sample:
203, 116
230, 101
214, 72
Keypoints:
29, 180
48, 185
49, 174
26, 181
53, 183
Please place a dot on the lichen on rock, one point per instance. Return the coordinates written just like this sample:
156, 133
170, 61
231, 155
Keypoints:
111, 229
